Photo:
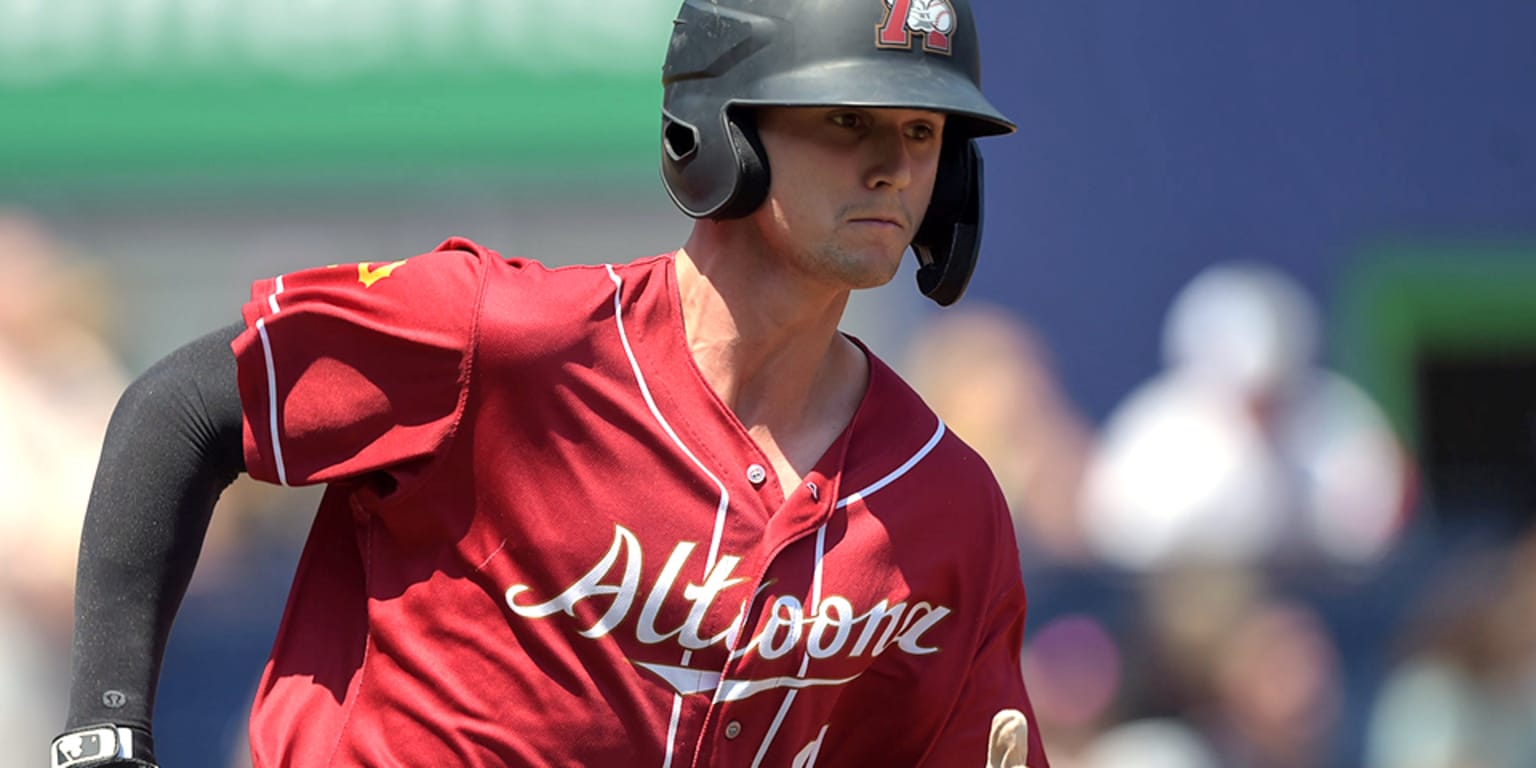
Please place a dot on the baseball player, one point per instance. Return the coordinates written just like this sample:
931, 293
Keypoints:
657, 513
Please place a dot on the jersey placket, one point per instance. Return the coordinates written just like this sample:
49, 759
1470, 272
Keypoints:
741, 722
757, 511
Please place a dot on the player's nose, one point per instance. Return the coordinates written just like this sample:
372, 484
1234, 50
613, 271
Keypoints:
889, 158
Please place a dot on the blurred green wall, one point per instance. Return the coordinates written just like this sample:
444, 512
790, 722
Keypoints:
124, 96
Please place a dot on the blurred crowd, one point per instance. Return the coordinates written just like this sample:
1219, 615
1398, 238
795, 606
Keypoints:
1239, 568
60, 378
1236, 568
58, 384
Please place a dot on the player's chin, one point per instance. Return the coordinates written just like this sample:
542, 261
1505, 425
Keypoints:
864, 263
873, 271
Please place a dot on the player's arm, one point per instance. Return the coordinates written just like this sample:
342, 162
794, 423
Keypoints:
992, 721
172, 446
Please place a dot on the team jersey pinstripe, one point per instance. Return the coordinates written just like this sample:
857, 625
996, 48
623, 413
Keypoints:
540, 546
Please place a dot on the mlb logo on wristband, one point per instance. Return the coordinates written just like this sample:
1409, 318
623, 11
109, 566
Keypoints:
83, 747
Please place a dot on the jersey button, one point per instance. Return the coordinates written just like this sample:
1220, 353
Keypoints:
732, 729
756, 474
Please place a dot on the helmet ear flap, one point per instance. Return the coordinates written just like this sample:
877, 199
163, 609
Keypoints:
950, 236
692, 167
752, 174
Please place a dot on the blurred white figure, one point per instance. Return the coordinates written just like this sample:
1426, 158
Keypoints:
1464, 695
1155, 743
1244, 449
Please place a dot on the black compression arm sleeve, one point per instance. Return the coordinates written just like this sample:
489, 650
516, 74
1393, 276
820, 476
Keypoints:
172, 446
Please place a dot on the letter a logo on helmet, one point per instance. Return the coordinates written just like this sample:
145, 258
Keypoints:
933, 19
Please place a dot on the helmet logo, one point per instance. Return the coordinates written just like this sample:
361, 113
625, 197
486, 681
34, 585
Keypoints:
933, 19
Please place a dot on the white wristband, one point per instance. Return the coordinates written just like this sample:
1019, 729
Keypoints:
88, 746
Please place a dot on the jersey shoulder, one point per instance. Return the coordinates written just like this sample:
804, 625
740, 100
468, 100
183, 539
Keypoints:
894, 418
937, 489
531, 282
533, 312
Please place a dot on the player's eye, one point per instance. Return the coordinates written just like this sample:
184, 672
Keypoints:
851, 120
921, 132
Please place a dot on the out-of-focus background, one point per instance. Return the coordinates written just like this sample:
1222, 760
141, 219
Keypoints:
1252, 346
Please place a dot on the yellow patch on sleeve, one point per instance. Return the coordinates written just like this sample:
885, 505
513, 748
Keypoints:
368, 276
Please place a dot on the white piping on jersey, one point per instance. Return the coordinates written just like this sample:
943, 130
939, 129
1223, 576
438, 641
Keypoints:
277, 445
821, 550
677, 710
815, 606
272, 297
795, 683
677, 714
773, 729
897, 472
645, 391
725, 495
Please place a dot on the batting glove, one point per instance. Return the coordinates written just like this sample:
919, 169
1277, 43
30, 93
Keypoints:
1008, 745
103, 746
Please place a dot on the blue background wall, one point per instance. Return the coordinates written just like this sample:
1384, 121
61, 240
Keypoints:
1158, 137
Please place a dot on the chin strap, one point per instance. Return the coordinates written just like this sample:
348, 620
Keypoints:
102, 745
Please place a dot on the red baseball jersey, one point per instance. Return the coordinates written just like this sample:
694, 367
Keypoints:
545, 540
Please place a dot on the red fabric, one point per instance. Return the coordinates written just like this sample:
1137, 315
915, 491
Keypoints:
524, 560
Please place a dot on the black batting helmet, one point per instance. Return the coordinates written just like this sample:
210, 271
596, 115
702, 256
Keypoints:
727, 56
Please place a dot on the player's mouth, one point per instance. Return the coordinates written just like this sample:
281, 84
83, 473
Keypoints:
879, 220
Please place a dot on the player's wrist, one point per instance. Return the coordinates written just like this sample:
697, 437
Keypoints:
103, 745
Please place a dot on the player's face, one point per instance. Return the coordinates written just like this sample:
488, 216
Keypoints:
849, 187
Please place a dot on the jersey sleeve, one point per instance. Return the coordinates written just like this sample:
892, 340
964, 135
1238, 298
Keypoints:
350, 369
995, 679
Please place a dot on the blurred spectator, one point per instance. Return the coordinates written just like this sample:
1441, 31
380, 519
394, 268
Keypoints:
1256, 676
1244, 450
1465, 694
1151, 743
1215, 669
59, 381
58, 384
1277, 690
1186, 616
991, 380
1074, 668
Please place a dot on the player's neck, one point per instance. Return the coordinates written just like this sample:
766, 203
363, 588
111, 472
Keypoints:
752, 334
770, 350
